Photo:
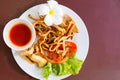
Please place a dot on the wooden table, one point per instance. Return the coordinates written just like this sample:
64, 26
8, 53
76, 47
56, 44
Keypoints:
102, 18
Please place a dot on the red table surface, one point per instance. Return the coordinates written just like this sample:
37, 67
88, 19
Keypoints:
102, 18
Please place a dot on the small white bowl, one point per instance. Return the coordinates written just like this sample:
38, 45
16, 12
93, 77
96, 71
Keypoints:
6, 33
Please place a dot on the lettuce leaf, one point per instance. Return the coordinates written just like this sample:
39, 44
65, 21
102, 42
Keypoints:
71, 66
76, 64
61, 69
47, 70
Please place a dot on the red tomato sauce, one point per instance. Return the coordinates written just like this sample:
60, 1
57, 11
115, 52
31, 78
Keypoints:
20, 34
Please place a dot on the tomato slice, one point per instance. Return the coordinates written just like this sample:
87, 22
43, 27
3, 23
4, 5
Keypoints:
54, 57
72, 48
58, 58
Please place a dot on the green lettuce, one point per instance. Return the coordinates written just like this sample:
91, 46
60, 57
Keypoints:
61, 69
71, 66
47, 70
76, 64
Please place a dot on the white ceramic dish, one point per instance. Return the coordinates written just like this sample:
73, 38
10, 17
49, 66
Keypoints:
81, 39
10, 25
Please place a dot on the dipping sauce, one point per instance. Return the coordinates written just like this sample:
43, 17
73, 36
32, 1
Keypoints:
20, 34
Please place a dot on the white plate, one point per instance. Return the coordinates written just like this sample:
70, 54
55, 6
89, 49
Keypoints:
81, 39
